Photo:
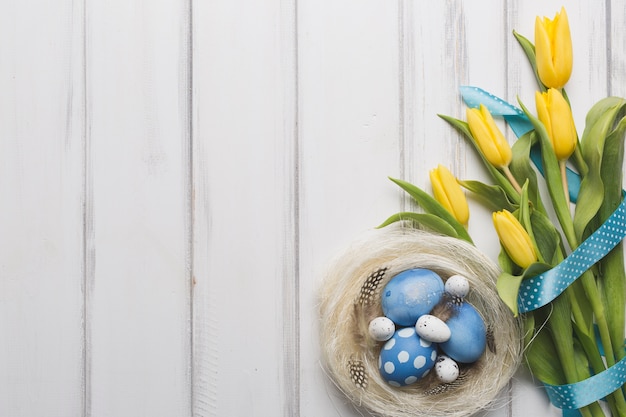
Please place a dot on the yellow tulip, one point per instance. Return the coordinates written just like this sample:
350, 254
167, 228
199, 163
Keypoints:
514, 238
553, 50
556, 115
488, 137
448, 193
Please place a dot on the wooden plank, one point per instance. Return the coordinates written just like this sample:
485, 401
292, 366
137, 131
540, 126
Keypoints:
41, 214
139, 207
245, 305
616, 48
350, 127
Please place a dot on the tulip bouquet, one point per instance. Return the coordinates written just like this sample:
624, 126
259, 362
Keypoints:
565, 277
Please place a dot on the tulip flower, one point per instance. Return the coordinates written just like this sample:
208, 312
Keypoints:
488, 136
514, 239
556, 115
553, 49
448, 193
491, 141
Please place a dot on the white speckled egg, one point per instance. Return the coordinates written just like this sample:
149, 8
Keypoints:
432, 328
446, 369
381, 329
457, 286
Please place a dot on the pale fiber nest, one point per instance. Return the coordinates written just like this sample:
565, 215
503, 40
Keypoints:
351, 357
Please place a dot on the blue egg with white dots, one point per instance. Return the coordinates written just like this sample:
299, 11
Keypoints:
411, 294
468, 334
406, 358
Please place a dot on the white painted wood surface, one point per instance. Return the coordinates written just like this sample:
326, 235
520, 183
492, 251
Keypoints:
175, 176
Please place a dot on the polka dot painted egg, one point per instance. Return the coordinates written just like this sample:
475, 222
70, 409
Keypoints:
468, 334
406, 358
411, 294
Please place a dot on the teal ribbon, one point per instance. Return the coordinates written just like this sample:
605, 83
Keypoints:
594, 388
542, 289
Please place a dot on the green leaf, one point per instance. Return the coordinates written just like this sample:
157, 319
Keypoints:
529, 327
508, 284
560, 325
432, 206
600, 120
522, 169
589, 345
523, 214
547, 237
581, 361
508, 289
529, 50
613, 282
543, 359
429, 221
506, 263
493, 196
498, 177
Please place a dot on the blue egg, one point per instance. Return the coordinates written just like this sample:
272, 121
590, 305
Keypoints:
406, 358
468, 334
411, 294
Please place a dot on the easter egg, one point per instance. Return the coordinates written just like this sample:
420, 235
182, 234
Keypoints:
381, 329
432, 328
457, 286
446, 369
406, 358
468, 336
411, 294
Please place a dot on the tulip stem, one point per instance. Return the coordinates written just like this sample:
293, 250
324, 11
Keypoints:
562, 165
512, 179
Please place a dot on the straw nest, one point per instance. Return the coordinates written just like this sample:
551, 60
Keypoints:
350, 299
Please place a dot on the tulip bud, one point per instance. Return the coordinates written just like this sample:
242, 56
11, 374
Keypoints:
556, 115
488, 137
448, 193
514, 238
553, 50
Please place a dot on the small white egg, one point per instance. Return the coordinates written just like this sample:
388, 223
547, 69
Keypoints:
381, 329
432, 328
446, 369
457, 286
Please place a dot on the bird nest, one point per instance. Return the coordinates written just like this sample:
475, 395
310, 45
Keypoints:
350, 299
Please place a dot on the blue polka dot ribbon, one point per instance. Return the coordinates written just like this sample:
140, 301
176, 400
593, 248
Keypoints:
583, 393
542, 289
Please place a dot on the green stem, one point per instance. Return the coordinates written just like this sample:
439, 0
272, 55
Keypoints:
562, 333
511, 178
563, 168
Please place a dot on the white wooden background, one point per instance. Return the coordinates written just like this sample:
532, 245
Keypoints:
176, 175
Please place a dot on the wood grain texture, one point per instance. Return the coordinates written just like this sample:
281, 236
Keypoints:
246, 308
175, 177
138, 309
41, 214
